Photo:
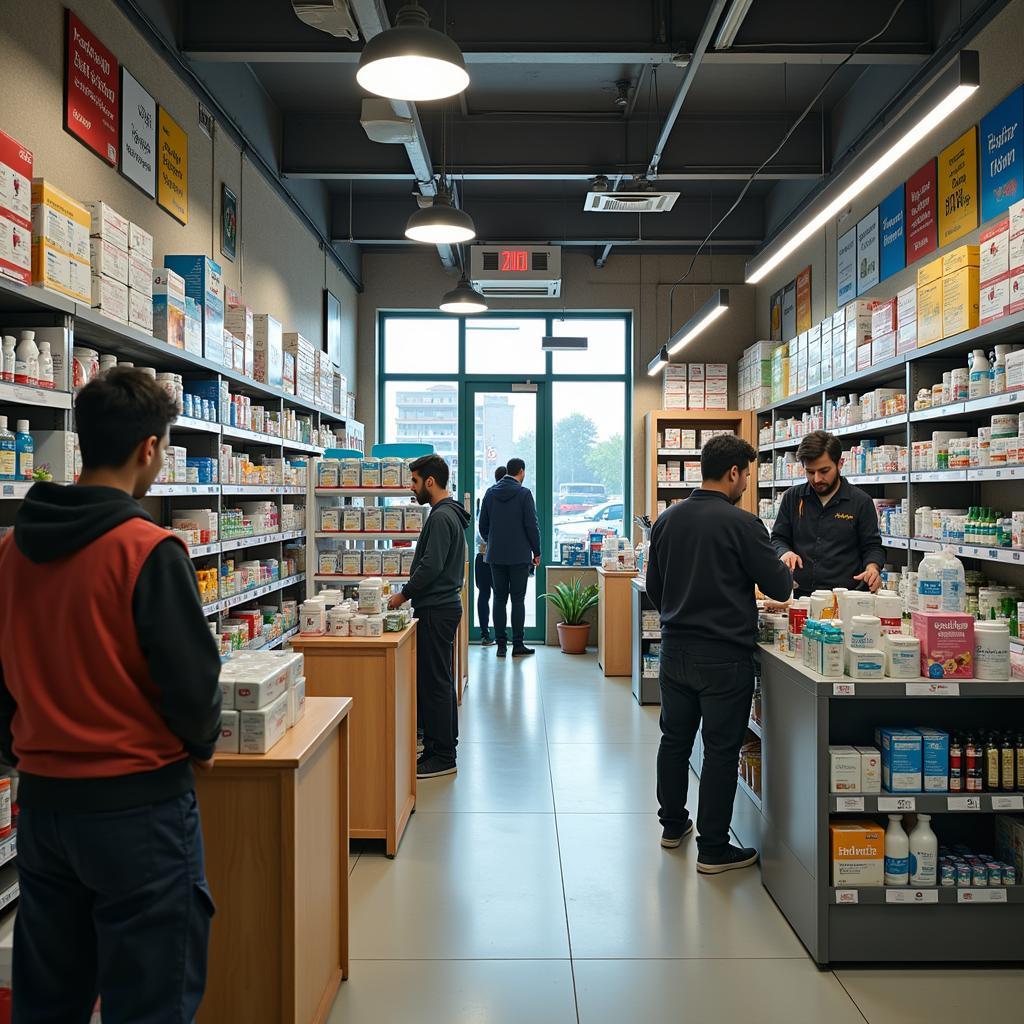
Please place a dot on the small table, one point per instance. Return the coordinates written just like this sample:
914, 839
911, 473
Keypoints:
614, 622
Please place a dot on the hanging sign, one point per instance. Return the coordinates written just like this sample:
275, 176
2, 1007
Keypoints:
776, 316
138, 134
789, 311
803, 300
1002, 156
922, 227
846, 268
172, 174
958, 187
891, 233
91, 87
867, 252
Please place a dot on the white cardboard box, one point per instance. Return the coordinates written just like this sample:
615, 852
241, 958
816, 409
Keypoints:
110, 297
260, 730
140, 310
227, 742
109, 224
140, 242
258, 685
870, 769
108, 260
844, 770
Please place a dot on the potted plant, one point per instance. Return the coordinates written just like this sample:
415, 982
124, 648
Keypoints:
573, 600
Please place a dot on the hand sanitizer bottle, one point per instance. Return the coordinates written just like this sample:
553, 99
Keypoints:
924, 853
8, 452
897, 852
25, 451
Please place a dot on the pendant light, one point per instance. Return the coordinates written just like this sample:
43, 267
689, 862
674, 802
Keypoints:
412, 61
463, 299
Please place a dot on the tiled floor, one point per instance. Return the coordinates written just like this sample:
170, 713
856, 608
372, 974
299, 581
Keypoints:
531, 888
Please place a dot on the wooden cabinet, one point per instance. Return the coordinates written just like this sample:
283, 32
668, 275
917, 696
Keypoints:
614, 622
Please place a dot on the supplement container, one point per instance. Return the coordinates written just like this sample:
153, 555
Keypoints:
821, 604
371, 596
902, 657
856, 602
412, 517
864, 664
350, 473
373, 563
359, 625
889, 609
991, 650
391, 472
312, 618
865, 633
328, 473
371, 472
338, 621
375, 625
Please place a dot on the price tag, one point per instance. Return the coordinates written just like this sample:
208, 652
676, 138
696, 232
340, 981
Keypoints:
981, 895
963, 803
935, 689
844, 689
897, 803
912, 895
847, 896
1008, 803
849, 803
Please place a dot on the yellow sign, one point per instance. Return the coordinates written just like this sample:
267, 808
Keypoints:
958, 188
172, 168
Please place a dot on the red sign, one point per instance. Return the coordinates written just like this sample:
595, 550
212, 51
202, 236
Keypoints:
514, 261
922, 225
91, 91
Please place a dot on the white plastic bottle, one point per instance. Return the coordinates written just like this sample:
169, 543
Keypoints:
924, 853
897, 852
981, 379
999, 369
954, 582
26, 360
45, 366
9, 359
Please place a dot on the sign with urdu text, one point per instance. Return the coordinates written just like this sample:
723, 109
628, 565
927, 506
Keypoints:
892, 235
846, 268
91, 87
867, 252
922, 224
1002, 156
958, 187
172, 167
138, 134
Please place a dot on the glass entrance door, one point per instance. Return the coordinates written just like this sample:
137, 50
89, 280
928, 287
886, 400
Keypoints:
502, 420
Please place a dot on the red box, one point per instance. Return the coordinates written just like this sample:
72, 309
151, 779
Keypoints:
15, 210
947, 644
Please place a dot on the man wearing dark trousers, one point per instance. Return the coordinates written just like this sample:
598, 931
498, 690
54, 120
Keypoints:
508, 523
109, 695
435, 589
485, 581
706, 557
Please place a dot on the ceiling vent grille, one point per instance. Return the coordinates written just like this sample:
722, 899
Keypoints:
490, 259
630, 202
539, 260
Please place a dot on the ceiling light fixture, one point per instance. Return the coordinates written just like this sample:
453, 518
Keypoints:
731, 23
658, 363
412, 61
463, 299
440, 223
950, 92
711, 310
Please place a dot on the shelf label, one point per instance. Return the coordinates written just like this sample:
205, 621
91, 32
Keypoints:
1008, 803
844, 689
912, 895
981, 895
935, 689
847, 896
897, 803
963, 803
849, 803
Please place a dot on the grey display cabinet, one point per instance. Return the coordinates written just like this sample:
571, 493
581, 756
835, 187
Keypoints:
645, 688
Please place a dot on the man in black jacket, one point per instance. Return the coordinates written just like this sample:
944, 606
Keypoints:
435, 589
706, 557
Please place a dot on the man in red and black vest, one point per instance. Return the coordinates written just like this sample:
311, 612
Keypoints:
109, 694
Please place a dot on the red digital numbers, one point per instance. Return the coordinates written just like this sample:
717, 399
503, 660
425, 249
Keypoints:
514, 261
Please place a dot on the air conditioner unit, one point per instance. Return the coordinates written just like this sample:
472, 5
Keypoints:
330, 16
630, 202
516, 271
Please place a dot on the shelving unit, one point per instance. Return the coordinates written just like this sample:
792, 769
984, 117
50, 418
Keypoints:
645, 687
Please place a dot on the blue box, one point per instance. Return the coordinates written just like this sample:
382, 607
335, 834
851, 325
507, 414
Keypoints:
204, 285
935, 760
207, 469
574, 553
901, 760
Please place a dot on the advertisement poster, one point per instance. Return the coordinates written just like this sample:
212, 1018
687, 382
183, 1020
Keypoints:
776, 316
958, 187
91, 88
1002, 156
138, 134
891, 230
803, 300
172, 173
867, 252
846, 268
922, 226
228, 222
789, 311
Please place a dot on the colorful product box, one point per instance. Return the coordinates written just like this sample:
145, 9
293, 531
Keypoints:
858, 852
959, 258
901, 760
960, 301
15, 209
947, 644
994, 299
204, 285
59, 272
60, 221
929, 274
995, 250
169, 307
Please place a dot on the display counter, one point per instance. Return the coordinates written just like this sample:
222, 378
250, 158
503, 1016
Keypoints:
380, 674
275, 827
645, 642
614, 617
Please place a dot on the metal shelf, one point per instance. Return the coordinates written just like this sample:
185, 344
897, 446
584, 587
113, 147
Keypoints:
938, 412
203, 550
685, 452
743, 787
241, 434
172, 490
996, 473
677, 485
258, 489
898, 543
321, 535
897, 895
363, 492
237, 543
22, 394
938, 476
886, 425
925, 803
1008, 556
277, 641
215, 607
190, 425
8, 848
325, 577
878, 478
301, 446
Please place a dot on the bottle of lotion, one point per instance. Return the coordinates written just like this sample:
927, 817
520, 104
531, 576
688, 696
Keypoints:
8, 452
897, 852
25, 451
924, 853
9, 359
26, 363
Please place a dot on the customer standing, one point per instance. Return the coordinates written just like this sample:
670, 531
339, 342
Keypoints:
706, 555
827, 529
109, 694
435, 589
508, 523
484, 580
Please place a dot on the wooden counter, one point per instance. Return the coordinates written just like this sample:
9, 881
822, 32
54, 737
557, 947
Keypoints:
380, 674
614, 622
275, 827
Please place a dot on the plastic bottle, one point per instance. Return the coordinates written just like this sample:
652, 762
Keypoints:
924, 853
25, 451
9, 359
45, 366
8, 452
999, 369
897, 852
26, 360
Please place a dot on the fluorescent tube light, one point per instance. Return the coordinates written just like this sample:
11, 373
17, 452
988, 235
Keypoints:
731, 23
658, 363
711, 310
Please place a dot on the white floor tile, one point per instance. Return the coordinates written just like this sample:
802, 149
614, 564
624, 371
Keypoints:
604, 778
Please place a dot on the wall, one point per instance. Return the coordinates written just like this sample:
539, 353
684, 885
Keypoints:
280, 267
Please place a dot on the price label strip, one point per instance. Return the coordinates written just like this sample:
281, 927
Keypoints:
847, 896
963, 803
934, 689
1008, 803
913, 895
897, 803
981, 895
844, 689
849, 803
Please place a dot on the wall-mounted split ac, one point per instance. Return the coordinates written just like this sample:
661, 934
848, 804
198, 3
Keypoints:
516, 271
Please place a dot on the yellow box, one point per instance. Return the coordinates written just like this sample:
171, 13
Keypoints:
858, 853
54, 269
929, 312
929, 272
961, 297
65, 225
960, 257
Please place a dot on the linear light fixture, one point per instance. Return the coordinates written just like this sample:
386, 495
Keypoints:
952, 88
711, 310
731, 23
658, 363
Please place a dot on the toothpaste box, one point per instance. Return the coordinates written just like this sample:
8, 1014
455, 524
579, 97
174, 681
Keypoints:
260, 730
935, 760
227, 742
870, 769
844, 772
901, 760
858, 850
947, 644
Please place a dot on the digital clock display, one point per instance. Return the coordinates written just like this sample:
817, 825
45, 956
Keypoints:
514, 261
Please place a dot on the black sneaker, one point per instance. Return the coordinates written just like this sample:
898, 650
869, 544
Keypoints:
673, 835
731, 858
433, 767
502, 650
486, 641
522, 651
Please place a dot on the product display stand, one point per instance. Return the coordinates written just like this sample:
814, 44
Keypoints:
645, 684
379, 673
614, 622
275, 828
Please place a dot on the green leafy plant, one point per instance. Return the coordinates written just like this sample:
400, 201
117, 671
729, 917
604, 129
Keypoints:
573, 600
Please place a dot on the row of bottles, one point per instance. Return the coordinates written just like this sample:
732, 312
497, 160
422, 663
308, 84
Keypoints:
993, 763
25, 362
17, 452
914, 859
982, 527
988, 372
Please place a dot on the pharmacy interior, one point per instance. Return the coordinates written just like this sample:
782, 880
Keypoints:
200, 199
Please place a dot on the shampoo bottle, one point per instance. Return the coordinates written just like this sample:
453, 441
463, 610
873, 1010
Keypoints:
924, 853
8, 452
897, 852
25, 451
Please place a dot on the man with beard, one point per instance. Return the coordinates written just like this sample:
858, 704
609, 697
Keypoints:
827, 529
706, 557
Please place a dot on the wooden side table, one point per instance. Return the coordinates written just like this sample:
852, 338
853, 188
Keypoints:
614, 622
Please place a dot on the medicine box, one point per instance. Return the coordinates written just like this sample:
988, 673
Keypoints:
140, 275
257, 684
901, 760
929, 313
108, 224
108, 260
865, 664
935, 760
373, 563
204, 284
947, 644
268, 350
140, 310
994, 299
15, 209
169, 307
227, 742
858, 851
870, 769
260, 730
960, 301
960, 257
296, 701
373, 519
352, 563
140, 242
53, 269
238, 319
110, 297
294, 663
844, 770
995, 250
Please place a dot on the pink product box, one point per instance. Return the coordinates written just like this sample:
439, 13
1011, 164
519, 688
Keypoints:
994, 299
947, 644
994, 251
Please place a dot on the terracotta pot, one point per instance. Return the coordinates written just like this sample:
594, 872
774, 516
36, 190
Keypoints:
573, 639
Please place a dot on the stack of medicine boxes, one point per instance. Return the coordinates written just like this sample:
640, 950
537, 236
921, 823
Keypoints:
263, 695
305, 365
108, 245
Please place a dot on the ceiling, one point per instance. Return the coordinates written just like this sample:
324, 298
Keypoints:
563, 90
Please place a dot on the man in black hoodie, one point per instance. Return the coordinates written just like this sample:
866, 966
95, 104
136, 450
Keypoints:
435, 589
706, 557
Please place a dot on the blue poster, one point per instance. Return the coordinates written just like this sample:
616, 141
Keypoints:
892, 228
1002, 156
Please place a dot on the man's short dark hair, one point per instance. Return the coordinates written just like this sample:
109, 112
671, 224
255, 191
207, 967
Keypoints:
116, 412
721, 453
427, 466
818, 443
515, 466
499, 473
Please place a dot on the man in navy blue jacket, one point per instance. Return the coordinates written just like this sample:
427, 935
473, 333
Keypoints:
508, 523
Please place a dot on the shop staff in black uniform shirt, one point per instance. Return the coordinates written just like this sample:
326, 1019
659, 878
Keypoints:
827, 529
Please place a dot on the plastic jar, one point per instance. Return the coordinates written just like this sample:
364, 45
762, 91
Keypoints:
889, 609
312, 618
374, 625
359, 626
821, 602
338, 621
991, 650
902, 657
107, 362
865, 633
85, 366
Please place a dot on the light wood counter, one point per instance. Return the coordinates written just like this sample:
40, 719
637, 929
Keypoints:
275, 828
614, 622
380, 674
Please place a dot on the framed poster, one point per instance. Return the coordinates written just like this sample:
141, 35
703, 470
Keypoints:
91, 90
892, 233
1002, 156
846, 268
138, 134
172, 177
775, 312
332, 326
867, 252
789, 311
922, 224
228, 222
803, 300
958, 187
